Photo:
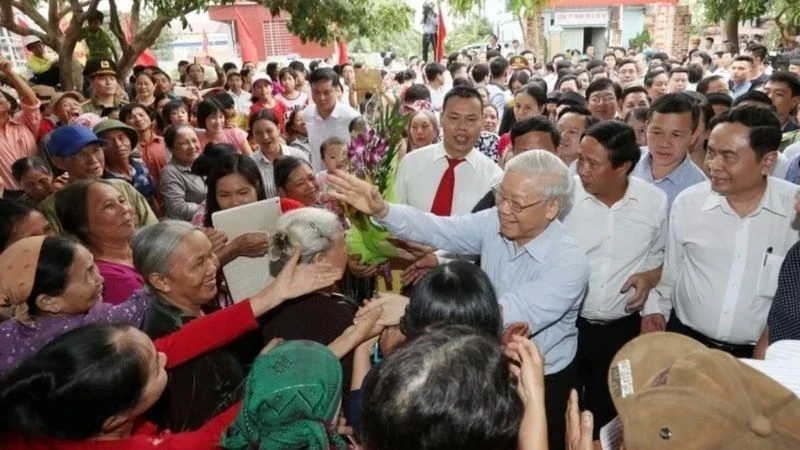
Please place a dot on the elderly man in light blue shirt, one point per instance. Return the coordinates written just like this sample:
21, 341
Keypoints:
672, 126
539, 271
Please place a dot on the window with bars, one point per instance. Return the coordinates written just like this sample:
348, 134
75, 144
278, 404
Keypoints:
277, 40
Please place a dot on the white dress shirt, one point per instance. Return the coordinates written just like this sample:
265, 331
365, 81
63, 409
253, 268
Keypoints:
620, 241
715, 261
437, 97
319, 129
242, 101
420, 172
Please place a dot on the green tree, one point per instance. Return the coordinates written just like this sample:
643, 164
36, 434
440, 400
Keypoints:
326, 21
403, 44
64, 41
528, 12
311, 20
732, 12
474, 29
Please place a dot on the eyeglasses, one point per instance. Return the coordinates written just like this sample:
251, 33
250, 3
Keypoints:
516, 207
605, 99
88, 154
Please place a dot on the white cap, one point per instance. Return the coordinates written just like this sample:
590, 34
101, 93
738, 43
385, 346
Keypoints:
260, 76
31, 39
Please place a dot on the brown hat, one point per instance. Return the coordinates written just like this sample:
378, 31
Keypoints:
69, 94
671, 392
518, 62
44, 93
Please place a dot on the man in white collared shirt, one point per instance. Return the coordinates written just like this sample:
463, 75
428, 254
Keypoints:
326, 118
727, 239
620, 221
420, 172
423, 172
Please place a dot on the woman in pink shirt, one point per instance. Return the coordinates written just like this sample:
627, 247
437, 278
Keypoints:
211, 120
96, 213
17, 134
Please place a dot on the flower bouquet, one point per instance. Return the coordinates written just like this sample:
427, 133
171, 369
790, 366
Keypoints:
373, 156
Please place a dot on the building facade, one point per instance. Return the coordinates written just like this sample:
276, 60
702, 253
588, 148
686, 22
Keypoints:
263, 36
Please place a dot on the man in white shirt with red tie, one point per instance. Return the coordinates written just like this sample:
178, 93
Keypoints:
449, 177
727, 239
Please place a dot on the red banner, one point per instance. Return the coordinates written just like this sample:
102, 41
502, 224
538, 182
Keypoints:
441, 34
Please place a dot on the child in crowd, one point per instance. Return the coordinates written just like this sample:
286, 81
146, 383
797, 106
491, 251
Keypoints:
263, 99
97, 40
333, 152
175, 113
291, 97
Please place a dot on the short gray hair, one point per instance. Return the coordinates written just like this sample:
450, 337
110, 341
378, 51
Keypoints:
556, 181
154, 245
313, 230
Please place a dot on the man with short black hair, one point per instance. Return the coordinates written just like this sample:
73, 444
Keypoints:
741, 68
633, 97
678, 79
783, 89
421, 172
535, 133
728, 237
703, 59
572, 123
627, 73
621, 223
498, 69
479, 74
760, 71
434, 77
672, 126
602, 97
327, 117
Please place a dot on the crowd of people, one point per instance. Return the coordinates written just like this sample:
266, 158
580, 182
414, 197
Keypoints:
581, 239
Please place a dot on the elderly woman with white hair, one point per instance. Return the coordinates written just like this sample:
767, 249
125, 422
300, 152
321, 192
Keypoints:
321, 315
538, 269
179, 267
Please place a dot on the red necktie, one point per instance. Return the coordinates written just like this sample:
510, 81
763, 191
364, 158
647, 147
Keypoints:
443, 201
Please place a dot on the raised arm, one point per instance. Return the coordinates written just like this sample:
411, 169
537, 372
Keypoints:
31, 116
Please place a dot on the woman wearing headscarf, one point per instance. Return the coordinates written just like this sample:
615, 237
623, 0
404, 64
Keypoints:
53, 286
272, 414
118, 373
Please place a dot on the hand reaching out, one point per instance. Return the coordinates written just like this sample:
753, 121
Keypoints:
579, 425
530, 372
393, 307
357, 193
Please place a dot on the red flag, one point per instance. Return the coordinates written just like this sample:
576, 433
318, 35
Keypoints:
441, 34
341, 46
146, 58
247, 48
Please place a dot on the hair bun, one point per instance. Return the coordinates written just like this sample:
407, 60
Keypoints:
281, 244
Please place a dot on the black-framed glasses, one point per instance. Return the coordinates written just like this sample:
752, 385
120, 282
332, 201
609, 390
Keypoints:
516, 207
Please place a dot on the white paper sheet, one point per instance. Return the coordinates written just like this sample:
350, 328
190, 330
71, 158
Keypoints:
611, 435
246, 276
781, 363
